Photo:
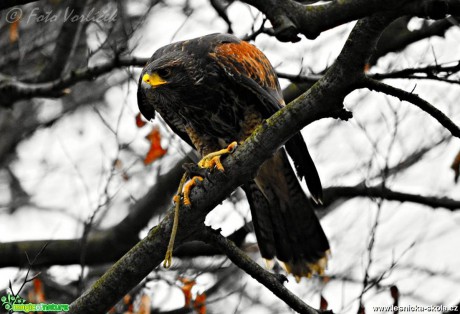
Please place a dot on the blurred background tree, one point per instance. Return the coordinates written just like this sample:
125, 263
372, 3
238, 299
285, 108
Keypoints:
83, 177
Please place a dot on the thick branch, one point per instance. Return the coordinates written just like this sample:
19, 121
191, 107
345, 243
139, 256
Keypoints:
65, 41
416, 100
324, 99
397, 36
272, 282
290, 18
14, 90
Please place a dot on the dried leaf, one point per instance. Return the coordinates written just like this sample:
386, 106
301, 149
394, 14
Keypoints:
139, 121
187, 290
367, 67
117, 164
38, 291
14, 31
456, 167
200, 303
323, 304
145, 305
128, 301
125, 176
155, 151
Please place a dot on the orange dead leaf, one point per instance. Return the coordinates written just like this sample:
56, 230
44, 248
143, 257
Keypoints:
37, 295
187, 290
117, 164
456, 167
125, 176
14, 31
323, 304
128, 301
200, 303
144, 307
367, 67
155, 151
139, 121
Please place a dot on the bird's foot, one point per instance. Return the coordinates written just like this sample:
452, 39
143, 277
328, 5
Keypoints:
205, 165
213, 159
188, 188
185, 187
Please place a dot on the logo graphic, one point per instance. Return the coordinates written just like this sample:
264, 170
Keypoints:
17, 304
10, 300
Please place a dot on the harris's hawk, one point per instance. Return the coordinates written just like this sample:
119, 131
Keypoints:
217, 89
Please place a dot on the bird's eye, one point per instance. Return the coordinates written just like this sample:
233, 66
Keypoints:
164, 73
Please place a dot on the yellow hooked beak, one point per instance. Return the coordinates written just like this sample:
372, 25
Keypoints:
154, 80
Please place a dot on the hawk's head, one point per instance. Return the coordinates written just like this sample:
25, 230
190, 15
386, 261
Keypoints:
163, 81
173, 73
181, 73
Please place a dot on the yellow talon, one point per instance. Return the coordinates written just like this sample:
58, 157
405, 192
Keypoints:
176, 199
300, 270
188, 188
213, 159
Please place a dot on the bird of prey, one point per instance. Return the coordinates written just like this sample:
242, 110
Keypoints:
217, 89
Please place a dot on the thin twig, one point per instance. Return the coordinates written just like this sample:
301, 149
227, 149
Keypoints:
372, 84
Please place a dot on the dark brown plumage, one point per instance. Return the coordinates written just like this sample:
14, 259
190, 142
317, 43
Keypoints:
217, 89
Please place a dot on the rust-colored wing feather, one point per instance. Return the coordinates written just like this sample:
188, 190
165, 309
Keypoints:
249, 68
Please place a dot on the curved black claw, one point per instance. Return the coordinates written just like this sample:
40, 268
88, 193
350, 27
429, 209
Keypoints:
281, 278
195, 170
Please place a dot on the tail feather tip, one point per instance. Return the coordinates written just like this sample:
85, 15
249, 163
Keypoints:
306, 269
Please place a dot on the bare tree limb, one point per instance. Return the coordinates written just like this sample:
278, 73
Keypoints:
65, 41
397, 36
331, 194
273, 282
290, 18
14, 90
372, 84
436, 72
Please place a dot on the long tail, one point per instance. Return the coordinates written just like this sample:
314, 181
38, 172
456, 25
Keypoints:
284, 221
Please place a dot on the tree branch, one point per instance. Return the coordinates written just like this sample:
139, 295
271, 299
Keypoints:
397, 36
68, 35
273, 282
331, 194
15, 90
372, 84
290, 18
